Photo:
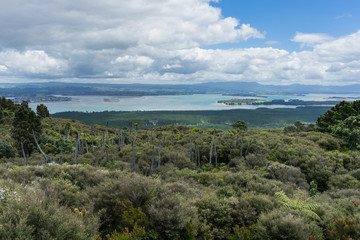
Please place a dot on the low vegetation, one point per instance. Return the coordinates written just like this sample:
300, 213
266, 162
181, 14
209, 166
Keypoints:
174, 182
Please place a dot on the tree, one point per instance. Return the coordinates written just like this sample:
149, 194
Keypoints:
337, 114
349, 130
24, 122
240, 125
42, 111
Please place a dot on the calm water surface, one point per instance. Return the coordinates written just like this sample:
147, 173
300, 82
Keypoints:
168, 102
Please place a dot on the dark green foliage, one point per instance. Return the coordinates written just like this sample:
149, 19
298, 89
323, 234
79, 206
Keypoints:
6, 150
255, 118
42, 111
244, 233
349, 130
24, 122
240, 125
337, 114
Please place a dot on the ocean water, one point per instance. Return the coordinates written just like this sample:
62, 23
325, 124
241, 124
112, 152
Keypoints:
167, 102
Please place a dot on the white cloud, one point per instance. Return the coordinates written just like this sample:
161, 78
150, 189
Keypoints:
3, 68
271, 42
310, 39
31, 62
159, 42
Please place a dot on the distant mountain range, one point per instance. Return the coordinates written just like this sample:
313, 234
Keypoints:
236, 88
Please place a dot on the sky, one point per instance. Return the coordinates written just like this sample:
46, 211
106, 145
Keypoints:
180, 41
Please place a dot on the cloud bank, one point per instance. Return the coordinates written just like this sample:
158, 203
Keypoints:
158, 41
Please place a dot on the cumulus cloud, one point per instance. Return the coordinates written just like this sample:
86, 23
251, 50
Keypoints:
158, 42
31, 62
310, 39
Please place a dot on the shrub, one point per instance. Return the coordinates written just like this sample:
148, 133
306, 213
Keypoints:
282, 225
6, 150
286, 174
343, 229
28, 213
217, 213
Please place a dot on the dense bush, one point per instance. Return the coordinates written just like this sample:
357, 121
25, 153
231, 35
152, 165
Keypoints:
282, 225
6, 150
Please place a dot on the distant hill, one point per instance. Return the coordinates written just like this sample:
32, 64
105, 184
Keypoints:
68, 89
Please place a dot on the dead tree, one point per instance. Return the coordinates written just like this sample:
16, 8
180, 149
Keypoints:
190, 150
159, 151
38, 146
61, 153
164, 141
152, 161
151, 138
211, 149
136, 132
172, 133
216, 156
241, 149
119, 145
26, 156
106, 130
133, 155
198, 152
92, 143
76, 149
102, 147
247, 149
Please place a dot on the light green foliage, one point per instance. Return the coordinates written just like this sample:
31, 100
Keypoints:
299, 204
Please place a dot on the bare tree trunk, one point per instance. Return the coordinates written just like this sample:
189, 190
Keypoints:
216, 156
136, 131
211, 149
198, 152
242, 145
26, 157
133, 155
247, 149
152, 162
190, 150
159, 152
38, 146
119, 145
61, 154
102, 147
92, 143
172, 133
163, 144
151, 138
76, 149
106, 130
86, 145
196, 155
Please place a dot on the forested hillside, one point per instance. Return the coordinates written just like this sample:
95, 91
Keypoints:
63, 179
